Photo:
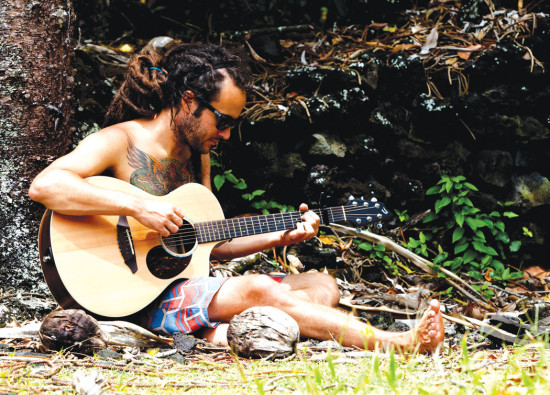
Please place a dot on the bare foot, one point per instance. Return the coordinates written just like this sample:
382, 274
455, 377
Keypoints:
217, 335
429, 333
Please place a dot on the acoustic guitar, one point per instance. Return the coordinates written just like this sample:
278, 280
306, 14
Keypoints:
113, 266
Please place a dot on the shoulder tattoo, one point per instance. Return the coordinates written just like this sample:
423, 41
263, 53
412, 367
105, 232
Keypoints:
157, 177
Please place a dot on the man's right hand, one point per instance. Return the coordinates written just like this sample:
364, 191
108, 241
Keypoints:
162, 217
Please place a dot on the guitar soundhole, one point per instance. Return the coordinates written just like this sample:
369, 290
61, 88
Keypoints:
165, 266
181, 243
174, 254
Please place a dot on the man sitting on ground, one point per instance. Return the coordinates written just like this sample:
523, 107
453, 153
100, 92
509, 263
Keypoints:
164, 120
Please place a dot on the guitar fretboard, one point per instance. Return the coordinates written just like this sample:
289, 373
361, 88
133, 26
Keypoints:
246, 226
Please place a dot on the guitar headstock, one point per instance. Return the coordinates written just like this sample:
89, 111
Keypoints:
361, 212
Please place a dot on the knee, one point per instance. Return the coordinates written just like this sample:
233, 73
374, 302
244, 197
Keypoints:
263, 290
327, 290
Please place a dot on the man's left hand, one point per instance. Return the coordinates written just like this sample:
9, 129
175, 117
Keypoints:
305, 230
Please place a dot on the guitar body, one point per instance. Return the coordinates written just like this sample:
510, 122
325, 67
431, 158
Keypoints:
84, 265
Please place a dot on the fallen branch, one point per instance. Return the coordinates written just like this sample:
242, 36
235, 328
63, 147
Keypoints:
347, 303
119, 333
420, 262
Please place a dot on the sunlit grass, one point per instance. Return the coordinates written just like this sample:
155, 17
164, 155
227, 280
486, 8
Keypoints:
523, 370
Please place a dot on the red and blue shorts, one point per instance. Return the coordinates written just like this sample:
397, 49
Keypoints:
183, 307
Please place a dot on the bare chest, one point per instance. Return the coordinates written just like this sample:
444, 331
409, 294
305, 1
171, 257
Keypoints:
152, 173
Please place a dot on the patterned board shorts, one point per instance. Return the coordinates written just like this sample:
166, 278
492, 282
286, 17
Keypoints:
183, 307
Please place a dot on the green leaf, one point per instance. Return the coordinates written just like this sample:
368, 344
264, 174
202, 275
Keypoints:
475, 223
241, 184
510, 214
477, 275
456, 263
365, 246
380, 247
430, 217
502, 237
457, 234
480, 236
470, 255
422, 237
448, 186
485, 249
515, 275
442, 203
440, 258
470, 186
433, 190
500, 226
494, 214
486, 260
459, 218
461, 247
498, 266
515, 245
219, 180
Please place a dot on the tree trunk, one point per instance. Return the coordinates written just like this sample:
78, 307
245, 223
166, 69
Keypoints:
36, 82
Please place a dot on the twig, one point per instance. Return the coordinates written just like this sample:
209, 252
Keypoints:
420, 262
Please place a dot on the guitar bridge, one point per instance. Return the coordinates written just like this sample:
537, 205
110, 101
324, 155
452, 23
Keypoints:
126, 243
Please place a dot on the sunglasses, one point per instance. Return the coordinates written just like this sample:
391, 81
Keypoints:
223, 121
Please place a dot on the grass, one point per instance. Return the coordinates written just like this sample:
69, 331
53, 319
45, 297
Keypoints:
522, 370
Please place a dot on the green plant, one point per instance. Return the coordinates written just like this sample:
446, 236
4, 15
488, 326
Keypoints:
463, 238
378, 252
264, 206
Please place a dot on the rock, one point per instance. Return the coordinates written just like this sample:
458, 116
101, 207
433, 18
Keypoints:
494, 167
184, 343
327, 146
532, 189
161, 42
472, 11
72, 330
259, 332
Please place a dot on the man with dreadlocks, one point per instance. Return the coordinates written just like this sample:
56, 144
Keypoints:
164, 120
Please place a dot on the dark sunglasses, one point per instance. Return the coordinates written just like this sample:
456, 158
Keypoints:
223, 121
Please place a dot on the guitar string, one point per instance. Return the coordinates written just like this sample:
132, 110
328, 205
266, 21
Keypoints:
243, 222
190, 238
269, 219
213, 229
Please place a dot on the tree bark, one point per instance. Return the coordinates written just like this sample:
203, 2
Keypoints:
36, 83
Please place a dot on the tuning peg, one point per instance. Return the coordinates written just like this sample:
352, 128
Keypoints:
351, 198
362, 198
374, 199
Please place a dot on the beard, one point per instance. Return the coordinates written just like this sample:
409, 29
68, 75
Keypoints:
188, 130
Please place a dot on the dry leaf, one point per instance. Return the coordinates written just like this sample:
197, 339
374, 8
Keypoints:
287, 43
536, 272
466, 54
403, 47
431, 42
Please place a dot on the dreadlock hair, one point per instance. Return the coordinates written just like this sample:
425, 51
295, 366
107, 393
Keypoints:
155, 82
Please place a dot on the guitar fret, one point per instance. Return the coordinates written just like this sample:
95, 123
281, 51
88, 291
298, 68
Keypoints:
244, 226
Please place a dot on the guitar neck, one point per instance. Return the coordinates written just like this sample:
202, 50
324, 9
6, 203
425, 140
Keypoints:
246, 226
